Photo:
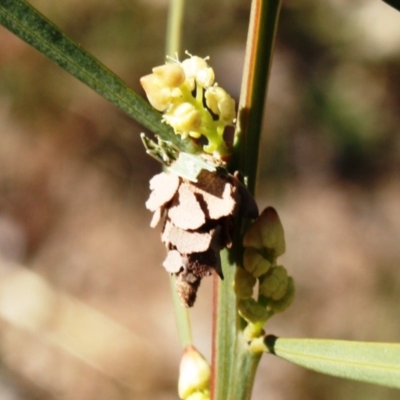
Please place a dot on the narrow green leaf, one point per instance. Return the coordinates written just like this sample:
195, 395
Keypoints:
23, 20
377, 363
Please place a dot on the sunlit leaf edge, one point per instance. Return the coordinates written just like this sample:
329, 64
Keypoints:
377, 363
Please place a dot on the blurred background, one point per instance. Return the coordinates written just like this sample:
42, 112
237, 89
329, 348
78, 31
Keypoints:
85, 304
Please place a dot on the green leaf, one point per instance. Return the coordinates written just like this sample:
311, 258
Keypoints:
377, 363
22, 19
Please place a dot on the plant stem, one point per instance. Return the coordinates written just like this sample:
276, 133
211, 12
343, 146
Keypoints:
259, 51
234, 364
182, 318
174, 27
172, 46
247, 367
225, 329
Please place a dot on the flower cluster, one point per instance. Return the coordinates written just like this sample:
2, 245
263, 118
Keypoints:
264, 242
191, 102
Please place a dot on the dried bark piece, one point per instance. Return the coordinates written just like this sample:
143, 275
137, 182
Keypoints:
198, 265
203, 264
217, 193
173, 263
164, 187
187, 285
199, 222
185, 242
185, 211
156, 217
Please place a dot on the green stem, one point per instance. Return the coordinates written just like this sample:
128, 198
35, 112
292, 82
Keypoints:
234, 364
225, 328
174, 27
182, 318
247, 367
259, 51
172, 46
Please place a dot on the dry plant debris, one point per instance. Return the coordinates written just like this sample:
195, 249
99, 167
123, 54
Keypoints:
199, 222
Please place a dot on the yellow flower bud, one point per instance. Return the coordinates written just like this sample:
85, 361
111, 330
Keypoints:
194, 373
193, 65
244, 283
227, 108
197, 69
194, 134
255, 263
159, 96
184, 118
266, 232
199, 396
205, 77
170, 75
275, 284
220, 103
